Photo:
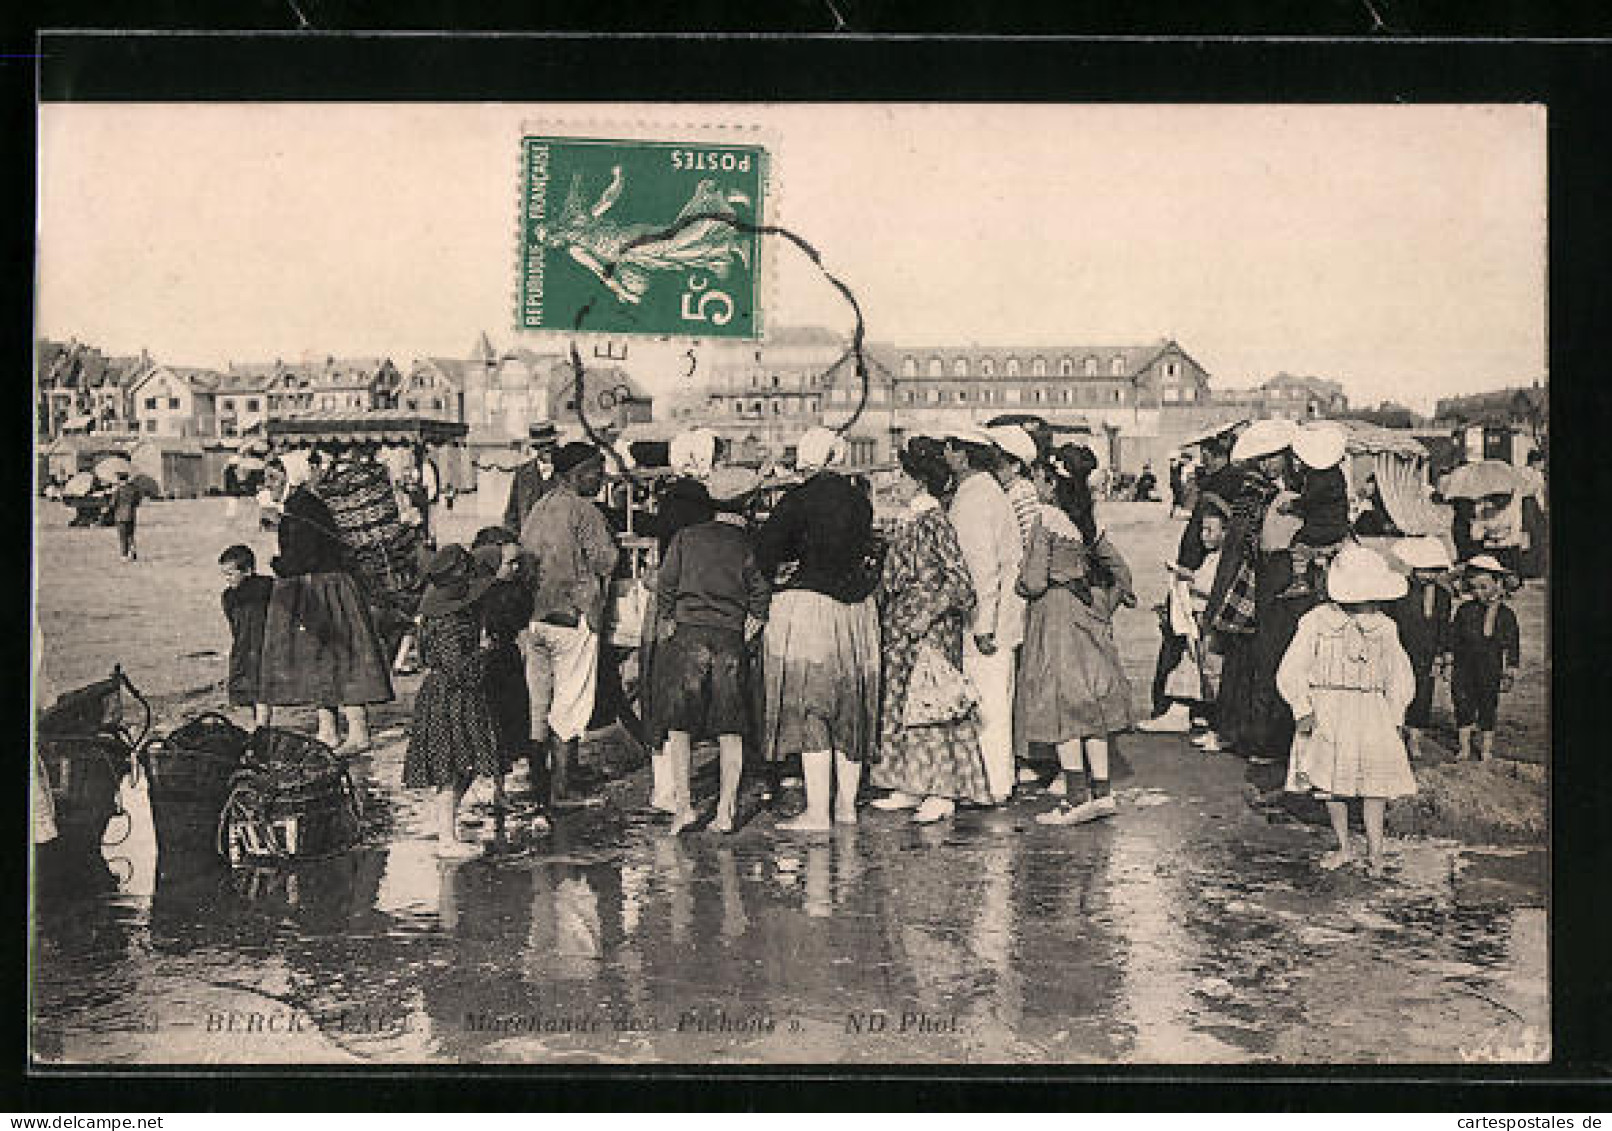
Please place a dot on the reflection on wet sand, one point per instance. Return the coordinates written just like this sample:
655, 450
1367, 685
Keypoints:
1155, 937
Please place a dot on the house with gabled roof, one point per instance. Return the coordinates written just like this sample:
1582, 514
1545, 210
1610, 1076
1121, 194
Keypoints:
435, 386
79, 389
176, 400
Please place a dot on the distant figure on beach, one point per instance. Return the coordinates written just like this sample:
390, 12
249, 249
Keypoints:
125, 505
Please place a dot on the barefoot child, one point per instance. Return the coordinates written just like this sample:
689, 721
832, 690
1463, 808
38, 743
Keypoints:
1423, 617
1484, 647
506, 609
246, 607
1349, 681
716, 599
453, 738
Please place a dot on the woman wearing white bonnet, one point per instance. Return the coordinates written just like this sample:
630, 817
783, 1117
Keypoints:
683, 502
821, 664
819, 449
693, 452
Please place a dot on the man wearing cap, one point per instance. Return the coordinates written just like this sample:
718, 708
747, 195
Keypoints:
532, 478
989, 536
576, 556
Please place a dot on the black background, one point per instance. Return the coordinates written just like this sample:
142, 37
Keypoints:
1393, 63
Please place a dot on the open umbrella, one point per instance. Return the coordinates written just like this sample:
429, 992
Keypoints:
107, 470
79, 485
147, 486
1479, 480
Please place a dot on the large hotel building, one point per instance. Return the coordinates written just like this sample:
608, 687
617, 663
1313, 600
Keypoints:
1138, 401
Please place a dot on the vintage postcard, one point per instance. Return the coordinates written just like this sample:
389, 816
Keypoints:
748, 584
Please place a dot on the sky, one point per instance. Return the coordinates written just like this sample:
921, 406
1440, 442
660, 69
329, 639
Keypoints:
1400, 250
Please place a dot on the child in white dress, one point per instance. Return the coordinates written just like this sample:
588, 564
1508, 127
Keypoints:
1349, 680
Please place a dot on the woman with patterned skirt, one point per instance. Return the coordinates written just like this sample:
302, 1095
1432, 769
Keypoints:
454, 737
926, 597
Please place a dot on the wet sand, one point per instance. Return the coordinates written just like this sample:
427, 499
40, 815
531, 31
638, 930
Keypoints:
1193, 928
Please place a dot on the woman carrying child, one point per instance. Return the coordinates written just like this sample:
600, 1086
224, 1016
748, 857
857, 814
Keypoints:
714, 601
453, 738
1349, 681
1073, 693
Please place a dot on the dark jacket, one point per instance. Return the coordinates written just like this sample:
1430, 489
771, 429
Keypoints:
526, 486
1223, 484
826, 526
709, 578
1481, 657
246, 608
1323, 504
309, 542
684, 503
1423, 637
125, 501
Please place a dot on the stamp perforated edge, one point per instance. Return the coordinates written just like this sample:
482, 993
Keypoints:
670, 130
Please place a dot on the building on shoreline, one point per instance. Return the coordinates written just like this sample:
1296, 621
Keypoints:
1137, 400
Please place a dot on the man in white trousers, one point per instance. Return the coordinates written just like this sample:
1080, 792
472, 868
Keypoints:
576, 556
989, 535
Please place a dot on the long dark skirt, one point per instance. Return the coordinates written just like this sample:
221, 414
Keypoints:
504, 685
1254, 719
320, 647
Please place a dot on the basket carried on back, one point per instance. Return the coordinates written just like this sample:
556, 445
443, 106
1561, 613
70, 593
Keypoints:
292, 799
192, 772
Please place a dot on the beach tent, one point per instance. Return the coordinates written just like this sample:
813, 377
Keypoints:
1400, 462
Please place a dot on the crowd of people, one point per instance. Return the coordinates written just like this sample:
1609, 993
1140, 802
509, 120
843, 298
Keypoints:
960, 655
1285, 638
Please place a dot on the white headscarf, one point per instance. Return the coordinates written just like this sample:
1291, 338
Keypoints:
297, 469
819, 449
693, 452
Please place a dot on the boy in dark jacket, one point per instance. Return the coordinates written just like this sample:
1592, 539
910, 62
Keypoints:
246, 607
1485, 645
1423, 618
715, 598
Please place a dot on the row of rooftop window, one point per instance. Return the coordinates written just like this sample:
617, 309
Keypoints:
1090, 366
780, 406
937, 369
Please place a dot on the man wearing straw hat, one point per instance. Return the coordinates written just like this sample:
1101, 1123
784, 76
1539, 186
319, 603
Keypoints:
532, 478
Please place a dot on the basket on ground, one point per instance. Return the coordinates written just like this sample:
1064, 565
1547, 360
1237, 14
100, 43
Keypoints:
191, 772
292, 799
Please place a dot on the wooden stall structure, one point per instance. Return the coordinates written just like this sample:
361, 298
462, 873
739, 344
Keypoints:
429, 437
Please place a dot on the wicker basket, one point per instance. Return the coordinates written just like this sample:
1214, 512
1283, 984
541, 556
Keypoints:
192, 772
292, 800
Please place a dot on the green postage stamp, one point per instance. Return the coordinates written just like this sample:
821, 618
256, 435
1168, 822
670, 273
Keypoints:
640, 237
